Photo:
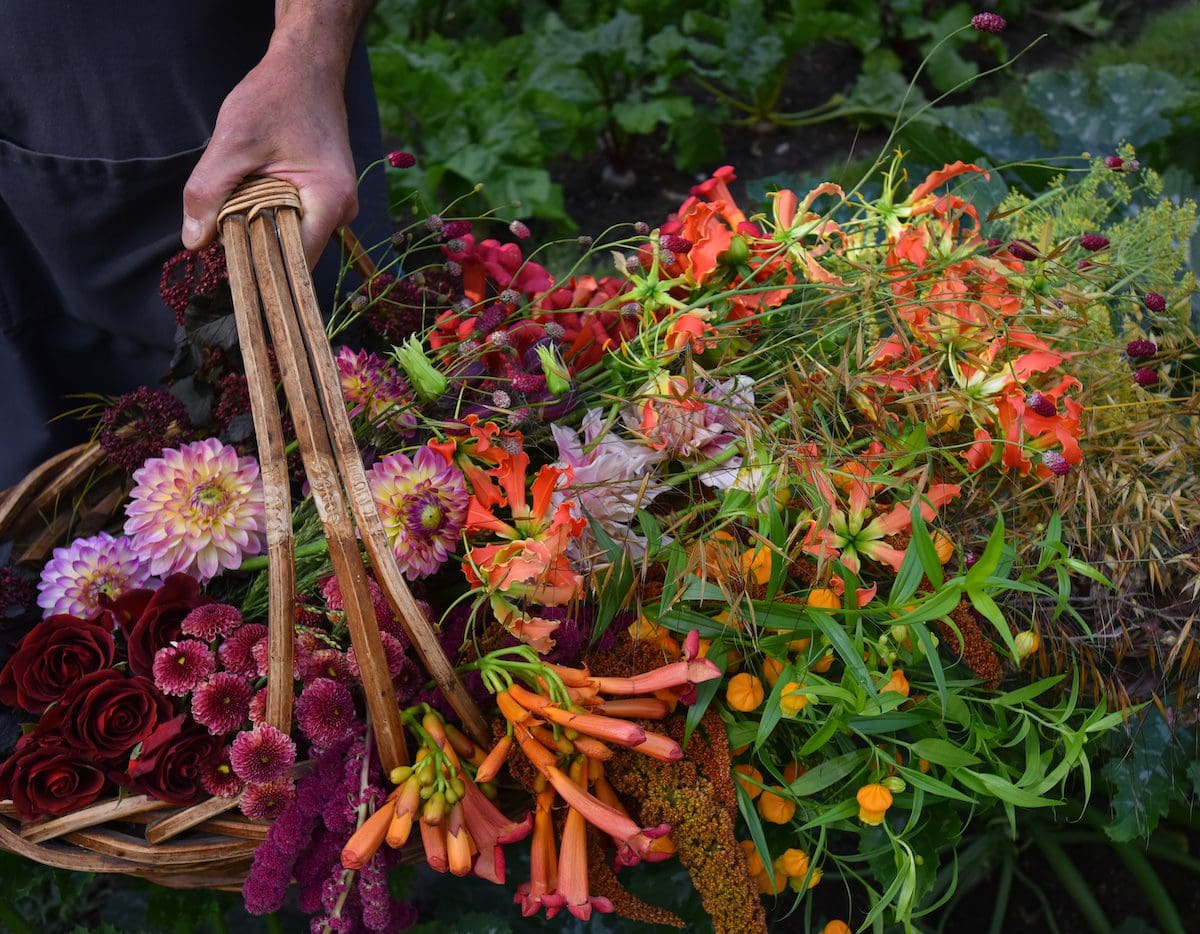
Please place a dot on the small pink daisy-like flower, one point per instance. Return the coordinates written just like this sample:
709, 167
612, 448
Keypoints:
266, 800
222, 703
325, 712
423, 505
76, 577
217, 777
197, 509
235, 651
181, 666
211, 620
375, 390
262, 754
327, 663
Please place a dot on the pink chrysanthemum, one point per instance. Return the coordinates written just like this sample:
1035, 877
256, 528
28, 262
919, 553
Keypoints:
76, 577
262, 754
325, 712
327, 663
423, 504
222, 703
331, 590
211, 620
217, 777
258, 706
235, 651
267, 800
196, 509
375, 390
181, 666
393, 651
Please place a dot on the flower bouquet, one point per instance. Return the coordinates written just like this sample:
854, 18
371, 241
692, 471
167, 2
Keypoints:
779, 550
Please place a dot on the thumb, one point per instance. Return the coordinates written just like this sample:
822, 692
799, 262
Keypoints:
211, 182
327, 203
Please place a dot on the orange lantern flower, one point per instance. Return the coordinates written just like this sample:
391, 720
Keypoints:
775, 808
873, 803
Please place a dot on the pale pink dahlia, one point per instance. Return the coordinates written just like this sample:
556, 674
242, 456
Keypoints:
374, 389
196, 509
217, 778
76, 577
267, 800
423, 504
222, 703
262, 754
182, 666
211, 620
325, 712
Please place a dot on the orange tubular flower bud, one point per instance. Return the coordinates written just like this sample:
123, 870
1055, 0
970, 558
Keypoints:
634, 843
530, 700
433, 838
538, 755
660, 747
593, 748
836, 926
513, 712
555, 743
572, 677
407, 802
635, 708
366, 840
461, 742
610, 729
458, 842
584, 697
494, 762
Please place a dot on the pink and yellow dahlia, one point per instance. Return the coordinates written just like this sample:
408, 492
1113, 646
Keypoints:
76, 577
375, 390
197, 509
423, 505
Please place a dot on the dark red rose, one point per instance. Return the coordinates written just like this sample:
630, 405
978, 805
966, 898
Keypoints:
151, 620
105, 714
55, 654
45, 778
172, 760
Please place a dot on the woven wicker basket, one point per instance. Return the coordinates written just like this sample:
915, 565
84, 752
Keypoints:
210, 844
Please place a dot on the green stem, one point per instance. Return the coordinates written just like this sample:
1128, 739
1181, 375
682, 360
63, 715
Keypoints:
13, 921
318, 546
1156, 893
1003, 891
1073, 883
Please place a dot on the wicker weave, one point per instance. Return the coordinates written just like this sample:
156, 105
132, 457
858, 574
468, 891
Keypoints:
210, 844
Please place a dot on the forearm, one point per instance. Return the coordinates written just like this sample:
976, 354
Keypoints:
321, 32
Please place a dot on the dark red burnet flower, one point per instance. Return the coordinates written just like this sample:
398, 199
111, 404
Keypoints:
44, 777
989, 22
153, 619
1023, 250
173, 761
55, 654
1140, 348
1093, 242
1154, 302
1056, 463
140, 424
106, 713
398, 159
1042, 405
1145, 378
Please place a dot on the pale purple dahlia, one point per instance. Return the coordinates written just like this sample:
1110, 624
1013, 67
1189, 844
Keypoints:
376, 390
197, 509
76, 577
423, 505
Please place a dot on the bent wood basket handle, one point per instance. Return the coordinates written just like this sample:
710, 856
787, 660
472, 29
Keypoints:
260, 227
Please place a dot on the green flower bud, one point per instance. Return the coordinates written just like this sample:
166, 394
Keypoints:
894, 783
400, 774
423, 376
558, 379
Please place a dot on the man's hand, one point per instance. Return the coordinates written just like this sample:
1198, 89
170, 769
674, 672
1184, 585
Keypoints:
286, 119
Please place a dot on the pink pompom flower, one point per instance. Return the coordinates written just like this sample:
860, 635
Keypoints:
182, 666
262, 754
222, 703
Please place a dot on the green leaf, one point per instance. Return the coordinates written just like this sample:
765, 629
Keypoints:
1018, 696
616, 583
990, 559
943, 752
1003, 789
826, 773
991, 612
1146, 777
923, 544
933, 786
772, 711
823, 735
844, 647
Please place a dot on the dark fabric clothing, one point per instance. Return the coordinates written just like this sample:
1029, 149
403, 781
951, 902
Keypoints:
105, 108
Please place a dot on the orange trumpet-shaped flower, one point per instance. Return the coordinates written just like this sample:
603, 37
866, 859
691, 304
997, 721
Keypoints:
610, 729
366, 840
634, 843
407, 802
433, 838
459, 845
490, 830
660, 747
572, 861
541, 891
638, 708
494, 761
